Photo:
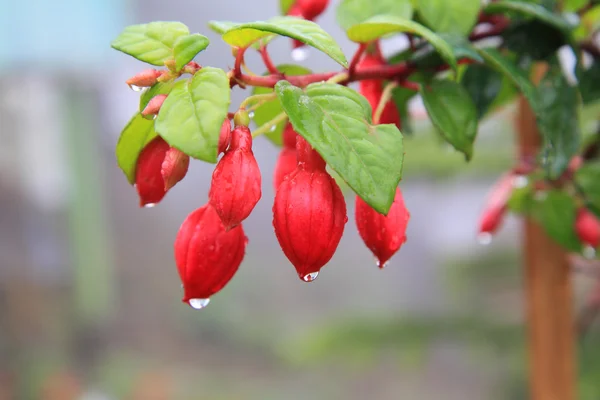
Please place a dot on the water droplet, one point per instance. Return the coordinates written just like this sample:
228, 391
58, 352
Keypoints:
379, 265
149, 205
154, 116
310, 277
589, 252
251, 114
198, 304
272, 129
484, 238
135, 88
520, 182
300, 54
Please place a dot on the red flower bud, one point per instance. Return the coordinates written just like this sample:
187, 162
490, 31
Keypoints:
174, 167
224, 136
311, 9
372, 90
383, 235
207, 255
159, 167
145, 78
286, 163
587, 227
495, 206
289, 137
309, 214
235, 187
153, 106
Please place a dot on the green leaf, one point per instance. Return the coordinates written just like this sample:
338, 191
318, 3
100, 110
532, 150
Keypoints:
453, 16
379, 26
521, 199
453, 113
483, 85
187, 47
573, 5
336, 121
533, 39
588, 180
353, 12
556, 211
152, 43
589, 83
136, 135
285, 5
271, 109
590, 22
518, 77
190, 119
243, 35
221, 27
402, 98
529, 10
559, 122
461, 48
155, 90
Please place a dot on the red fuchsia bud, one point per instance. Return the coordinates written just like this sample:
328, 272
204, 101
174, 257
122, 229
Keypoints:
309, 214
174, 167
207, 255
144, 79
383, 235
495, 206
286, 162
587, 227
153, 106
224, 136
311, 9
235, 187
149, 180
372, 90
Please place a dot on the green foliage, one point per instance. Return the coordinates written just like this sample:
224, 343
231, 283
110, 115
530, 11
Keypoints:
453, 113
483, 85
137, 134
270, 109
155, 90
353, 12
186, 48
190, 119
556, 211
337, 122
530, 10
587, 179
450, 16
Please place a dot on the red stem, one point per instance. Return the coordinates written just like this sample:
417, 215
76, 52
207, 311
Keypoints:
268, 62
356, 58
500, 24
239, 60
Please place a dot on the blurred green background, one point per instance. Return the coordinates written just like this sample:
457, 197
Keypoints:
89, 294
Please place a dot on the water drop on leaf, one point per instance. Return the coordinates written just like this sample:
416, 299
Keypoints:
198, 304
272, 129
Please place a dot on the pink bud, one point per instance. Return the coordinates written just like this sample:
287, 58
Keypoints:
495, 206
224, 136
174, 167
145, 78
587, 227
154, 105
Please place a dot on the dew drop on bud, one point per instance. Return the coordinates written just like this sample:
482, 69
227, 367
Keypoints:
149, 205
484, 238
520, 182
155, 116
300, 54
135, 88
198, 304
272, 129
379, 265
251, 114
310, 277
589, 252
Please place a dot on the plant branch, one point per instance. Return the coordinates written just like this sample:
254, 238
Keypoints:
499, 25
267, 61
267, 126
239, 60
385, 98
356, 58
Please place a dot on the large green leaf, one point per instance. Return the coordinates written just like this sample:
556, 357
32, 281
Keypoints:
221, 27
353, 12
379, 26
136, 135
533, 39
154, 90
483, 85
461, 47
519, 77
152, 43
452, 16
269, 110
556, 211
453, 113
337, 122
590, 22
529, 10
190, 119
588, 180
187, 47
589, 83
243, 35
559, 122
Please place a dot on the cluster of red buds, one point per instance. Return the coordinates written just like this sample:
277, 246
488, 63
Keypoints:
309, 210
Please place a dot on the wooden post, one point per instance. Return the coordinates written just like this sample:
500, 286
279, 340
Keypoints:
549, 299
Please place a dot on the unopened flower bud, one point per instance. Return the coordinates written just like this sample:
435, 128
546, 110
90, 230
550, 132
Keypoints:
587, 227
145, 78
153, 106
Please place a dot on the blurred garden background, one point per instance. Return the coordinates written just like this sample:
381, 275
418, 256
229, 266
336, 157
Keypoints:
90, 300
